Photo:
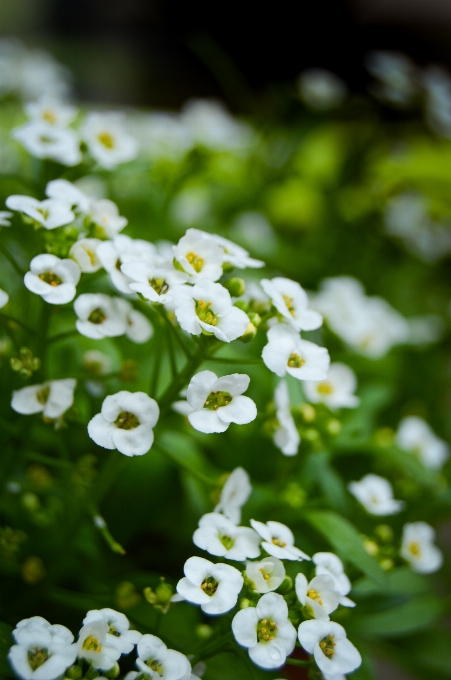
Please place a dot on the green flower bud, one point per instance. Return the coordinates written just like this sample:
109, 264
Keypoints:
235, 286
333, 426
244, 603
255, 318
286, 585
387, 564
242, 304
249, 333
306, 411
384, 532
113, 672
204, 631
74, 673
164, 592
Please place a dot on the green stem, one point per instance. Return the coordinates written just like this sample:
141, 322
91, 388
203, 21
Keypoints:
158, 356
231, 360
298, 662
103, 530
186, 467
48, 460
12, 260
10, 319
171, 356
161, 312
63, 336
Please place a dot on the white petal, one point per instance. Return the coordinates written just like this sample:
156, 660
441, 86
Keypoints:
207, 421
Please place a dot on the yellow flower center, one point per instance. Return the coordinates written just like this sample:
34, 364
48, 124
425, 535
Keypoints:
266, 630
210, 586
205, 313
289, 303
414, 548
195, 261
325, 388
327, 645
217, 399
36, 657
49, 116
106, 139
278, 542
295, 360
126, 421
265, 575
92, 644
97, 316
51, 278
159, 285
314, 595
43, 395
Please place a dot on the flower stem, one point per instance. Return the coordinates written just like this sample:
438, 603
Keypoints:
185, 466
102, 528
298, 662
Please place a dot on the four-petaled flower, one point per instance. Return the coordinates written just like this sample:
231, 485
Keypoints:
278, 540
53, 279
215, 587
333, 652
219, 536
287, 353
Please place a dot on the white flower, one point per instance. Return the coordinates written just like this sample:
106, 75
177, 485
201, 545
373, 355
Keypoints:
125, 423
396, 75
211, 125
287, 353
215, 587
286, 436
418, 549
100, 316
319, 597
84, 252
278, 541
329, 564
107, 140
327, 641
221, 537
266, 575
337, 391
118, 634
53, 279
42, 652
94, 645
51, 112
207, 306
47, 141
52, 398
232, 254
153, 280
157, 661
4, 218
376, 495
415, 435
266, 631
4, 298
66, 192
97, 363
123, 249
321, 89
234, 494
199, 256
50, 213
217, 402
139, 329
105, 215
291, 301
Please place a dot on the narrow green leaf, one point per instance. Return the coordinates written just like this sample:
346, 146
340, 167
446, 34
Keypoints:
401, 581
346, 541
417, 614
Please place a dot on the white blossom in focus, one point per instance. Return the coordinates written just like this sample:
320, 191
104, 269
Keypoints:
415, 435
119, 634
123, 249
418, 549
266, 631
286, 437
50, 213
215, 587
234, 494
266, 575
51, 398
42, 651
329, 564
94, 646
376, 495
278, 541
337, 391
233, 254
53, 279
221, 537
218, 402
287, 353
154, 281
47, 141
319, 597
199, 256
333, 652
108, 142
84, 252
157, 661
125, 423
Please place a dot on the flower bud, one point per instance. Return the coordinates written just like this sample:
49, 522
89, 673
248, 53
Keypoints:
384, 532
286, 585
204, 631
371, 547
164, 592
74, 672
255, 318
249, 333
242, 304
245, 603
235, 286
333, 426
387, 564
306, 411
113, 672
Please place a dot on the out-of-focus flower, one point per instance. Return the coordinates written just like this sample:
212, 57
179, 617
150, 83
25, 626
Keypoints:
52, 398
210, 125
278, 541
154, 281
287, 353
51, 112
47, 141
337, 391
234, 494
66, 192
286, 437
215, 587
121, 250
219, 536
50, 213
53, 279
415, 435
376, 495
291, 301
321, 89
418, 549
100, 316
4, 218
84, 252
107, 140
105, 215
396, 76
4, 298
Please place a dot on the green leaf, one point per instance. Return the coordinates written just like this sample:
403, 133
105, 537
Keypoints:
407, 463
185, 453
401, 581
417, 614
319, 469
346, 541
5, 643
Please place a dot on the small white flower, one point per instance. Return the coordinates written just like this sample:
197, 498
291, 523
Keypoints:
53, 279
234, 494
125, 423
266, 575
51, 112
52, 398
319, 597
418, 549
287, 353
291, 301
105, 215
153, 280
232, 253
50, 213
4, 298
337, 391
139, 329
221, 537
286, 436
123, 249
396, 76
211, 125
46, 141
207, 306
97, 363
84, 252
66, 192
100, 316
376, 495
266, 631
329, 564
278, 541
215, 587
42, 652
157, 661
118, 634
199, 256
107, 140
415, 435
4, 218
321, 89
332, 651
217, 402
94, 645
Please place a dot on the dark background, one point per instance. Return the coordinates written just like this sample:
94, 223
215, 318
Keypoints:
161, 52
